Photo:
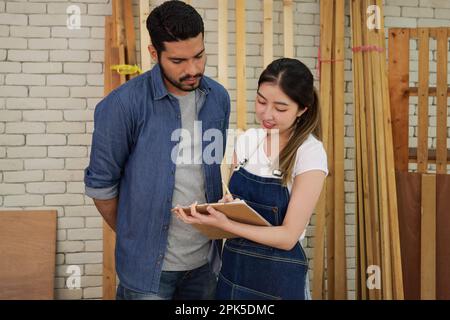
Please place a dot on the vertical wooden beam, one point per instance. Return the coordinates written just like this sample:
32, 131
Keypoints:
358, 103
223, 42
241, 81
288, 30
117, 8
441, 97
130, 34
372, 218
109, 236
428, 238
399, 94
268, 32
338, 141
326, 13
144, 11
422, 140
392, 216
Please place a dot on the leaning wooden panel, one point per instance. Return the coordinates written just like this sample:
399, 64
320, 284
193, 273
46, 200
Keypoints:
27, 254
428, 238
398, 92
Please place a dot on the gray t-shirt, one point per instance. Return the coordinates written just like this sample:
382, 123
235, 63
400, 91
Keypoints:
187, 248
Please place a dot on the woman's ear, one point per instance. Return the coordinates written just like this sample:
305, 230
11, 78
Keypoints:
299, 113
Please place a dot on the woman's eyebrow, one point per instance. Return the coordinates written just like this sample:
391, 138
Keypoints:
276, 102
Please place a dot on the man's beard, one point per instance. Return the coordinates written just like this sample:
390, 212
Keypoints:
179, 84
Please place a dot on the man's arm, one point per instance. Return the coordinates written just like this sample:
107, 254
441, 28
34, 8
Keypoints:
108, 209
111, 146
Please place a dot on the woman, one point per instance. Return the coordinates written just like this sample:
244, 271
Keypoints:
269, 262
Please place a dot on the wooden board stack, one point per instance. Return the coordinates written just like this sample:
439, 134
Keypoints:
330, 211
378, 244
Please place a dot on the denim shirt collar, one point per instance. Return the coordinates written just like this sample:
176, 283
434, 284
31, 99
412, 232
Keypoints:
160, 89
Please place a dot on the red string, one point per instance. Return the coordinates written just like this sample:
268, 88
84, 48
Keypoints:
367, 48
320, 61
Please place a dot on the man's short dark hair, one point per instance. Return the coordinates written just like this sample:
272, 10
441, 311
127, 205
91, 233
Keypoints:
173, 21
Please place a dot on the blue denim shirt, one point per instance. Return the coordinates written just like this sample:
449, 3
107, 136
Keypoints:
131, 158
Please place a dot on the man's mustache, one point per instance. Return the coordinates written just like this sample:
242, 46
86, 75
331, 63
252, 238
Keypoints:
199, 75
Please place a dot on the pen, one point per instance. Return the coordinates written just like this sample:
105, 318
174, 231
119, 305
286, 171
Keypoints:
226, 188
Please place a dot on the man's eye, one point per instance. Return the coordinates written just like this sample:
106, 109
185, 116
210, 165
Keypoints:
199, 57
261, 102
281, 110
176, 61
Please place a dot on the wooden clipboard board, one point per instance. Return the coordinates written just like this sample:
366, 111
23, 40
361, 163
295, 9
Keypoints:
238, 211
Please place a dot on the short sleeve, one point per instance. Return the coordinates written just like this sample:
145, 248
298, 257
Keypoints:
245, 143
311, 155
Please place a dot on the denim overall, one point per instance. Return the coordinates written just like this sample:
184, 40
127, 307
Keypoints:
255, 271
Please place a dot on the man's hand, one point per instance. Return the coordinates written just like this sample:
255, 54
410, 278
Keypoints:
108, 209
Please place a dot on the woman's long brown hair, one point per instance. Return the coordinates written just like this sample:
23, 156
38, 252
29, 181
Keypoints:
297, 82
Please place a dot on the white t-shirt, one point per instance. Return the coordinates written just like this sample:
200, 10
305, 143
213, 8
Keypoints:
250, 146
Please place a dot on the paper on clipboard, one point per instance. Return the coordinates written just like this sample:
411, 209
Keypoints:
237, 210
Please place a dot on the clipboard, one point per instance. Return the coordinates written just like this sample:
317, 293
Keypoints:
237, 210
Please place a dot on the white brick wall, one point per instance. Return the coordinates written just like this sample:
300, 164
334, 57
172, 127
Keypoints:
51, 79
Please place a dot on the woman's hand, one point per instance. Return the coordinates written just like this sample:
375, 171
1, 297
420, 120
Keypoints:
213, 218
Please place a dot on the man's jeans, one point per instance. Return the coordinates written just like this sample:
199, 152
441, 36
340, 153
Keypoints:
197, 284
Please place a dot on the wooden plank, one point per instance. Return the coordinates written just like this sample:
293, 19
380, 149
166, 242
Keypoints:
241, 80
376, 111
111, 80
409, 194
432, 155
325, 95
398, 92
393, 225
372, 218
223, 42
414, 91
144, 11
441, 103
117, 9
432, 31
288, 32
422, 140
27, 254
129, 34
361, 257
428, 238
268, 32
338, 146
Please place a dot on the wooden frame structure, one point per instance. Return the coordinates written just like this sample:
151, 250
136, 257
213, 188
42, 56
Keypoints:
424, 222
